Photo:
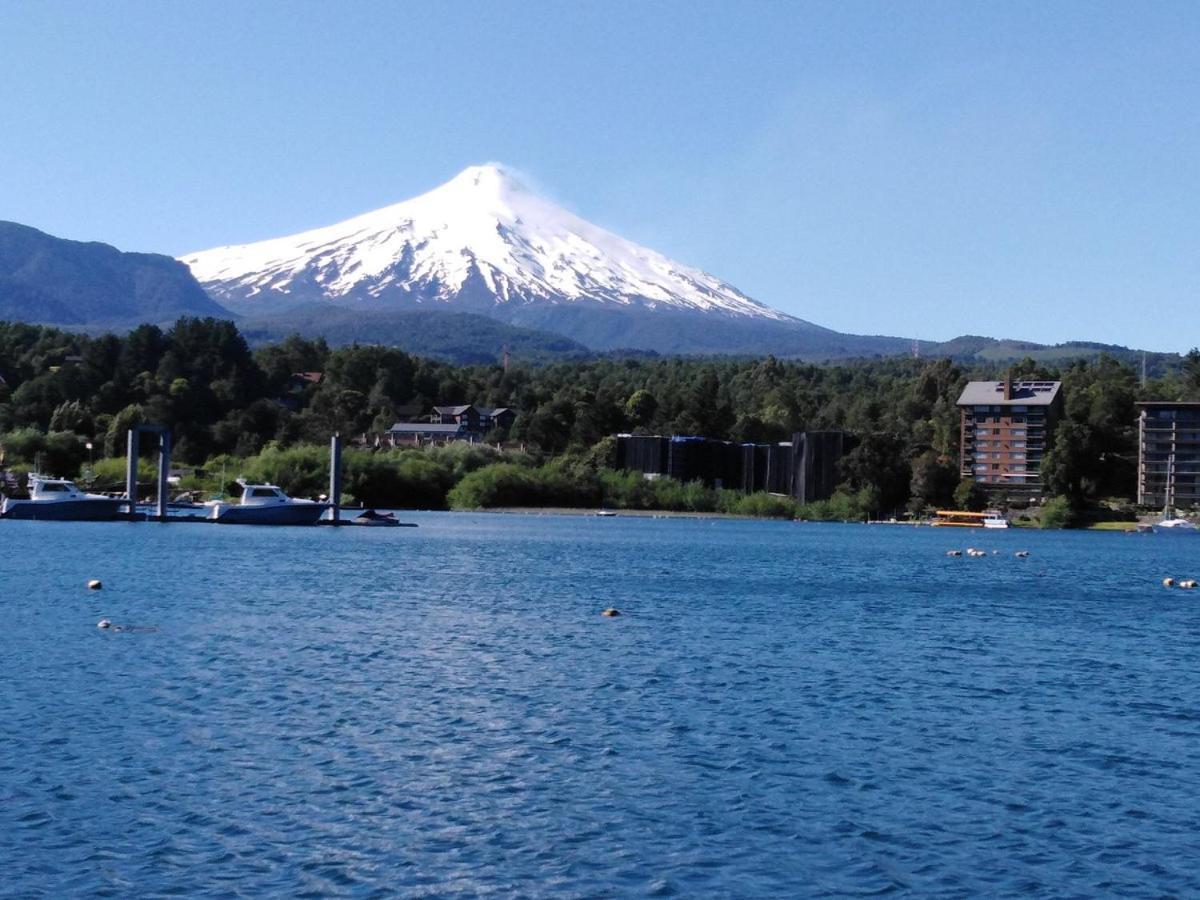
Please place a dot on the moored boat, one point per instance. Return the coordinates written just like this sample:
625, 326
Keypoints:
1176, 526
373, 519
59, 500
990, 518
265, 504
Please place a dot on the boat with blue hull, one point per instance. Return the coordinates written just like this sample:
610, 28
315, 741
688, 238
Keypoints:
265, 504
1176, 526
59, 500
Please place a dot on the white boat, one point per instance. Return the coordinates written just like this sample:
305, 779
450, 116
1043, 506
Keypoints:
993, 518
1176, 526
59, 500
265, 504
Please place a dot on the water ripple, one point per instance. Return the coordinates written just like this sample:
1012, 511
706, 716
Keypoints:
785, 710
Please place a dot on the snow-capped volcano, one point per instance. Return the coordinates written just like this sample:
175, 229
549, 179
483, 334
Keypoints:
481, 241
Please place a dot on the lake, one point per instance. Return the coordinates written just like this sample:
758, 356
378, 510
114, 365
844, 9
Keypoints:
784, 709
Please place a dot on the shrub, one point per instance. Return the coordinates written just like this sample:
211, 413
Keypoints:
1059, 513
760, 505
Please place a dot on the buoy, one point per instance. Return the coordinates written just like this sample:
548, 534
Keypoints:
954, 553
1021, 554
1187, 585
1168, 582
95, 584
104, 623
610, 612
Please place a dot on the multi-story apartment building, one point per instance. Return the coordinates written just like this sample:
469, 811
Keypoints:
1006, 428
1169, 455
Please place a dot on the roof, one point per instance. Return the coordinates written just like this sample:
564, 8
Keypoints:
1024, 393
424, 428
452, 410
493, 411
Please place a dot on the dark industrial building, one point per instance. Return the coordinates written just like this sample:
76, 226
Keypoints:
815, 458
805, 467
1169, 455
643, 453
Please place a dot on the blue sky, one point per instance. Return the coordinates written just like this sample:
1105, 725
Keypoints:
925, 169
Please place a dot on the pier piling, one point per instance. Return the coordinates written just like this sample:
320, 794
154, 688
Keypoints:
335, 479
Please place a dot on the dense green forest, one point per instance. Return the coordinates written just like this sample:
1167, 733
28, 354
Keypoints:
231, 406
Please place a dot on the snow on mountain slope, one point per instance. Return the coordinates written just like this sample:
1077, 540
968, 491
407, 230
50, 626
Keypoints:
480, 240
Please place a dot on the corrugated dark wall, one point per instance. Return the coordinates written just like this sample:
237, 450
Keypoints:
807, 468
815, 458
643, 453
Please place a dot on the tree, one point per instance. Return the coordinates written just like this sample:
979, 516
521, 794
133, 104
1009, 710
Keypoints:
1191, 373
878, 466
115, 438
641, 407
1069, 468
933, 480
970, 495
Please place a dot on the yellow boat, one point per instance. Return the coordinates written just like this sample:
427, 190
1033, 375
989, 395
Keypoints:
990, 518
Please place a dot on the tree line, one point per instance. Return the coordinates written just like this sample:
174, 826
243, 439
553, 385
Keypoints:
62, 390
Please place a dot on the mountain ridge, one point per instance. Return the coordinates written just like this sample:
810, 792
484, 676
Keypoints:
56, 281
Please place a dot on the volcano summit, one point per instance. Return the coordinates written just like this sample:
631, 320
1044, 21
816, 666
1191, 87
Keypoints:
484, 243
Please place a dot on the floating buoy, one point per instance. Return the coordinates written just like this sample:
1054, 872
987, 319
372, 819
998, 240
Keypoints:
104, 623
1188, 585
610, 612
1021, 554
1168, 582
954, 553
95, 584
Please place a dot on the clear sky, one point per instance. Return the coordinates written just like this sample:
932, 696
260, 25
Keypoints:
925, 169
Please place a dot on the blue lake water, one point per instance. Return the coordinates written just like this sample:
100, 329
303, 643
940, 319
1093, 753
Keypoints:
783, 710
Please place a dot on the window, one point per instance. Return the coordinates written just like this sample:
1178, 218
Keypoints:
53, 488
262, 492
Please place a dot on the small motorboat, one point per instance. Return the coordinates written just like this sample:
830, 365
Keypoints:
993, 518
59, 500
265, 504
376, 519
606, 513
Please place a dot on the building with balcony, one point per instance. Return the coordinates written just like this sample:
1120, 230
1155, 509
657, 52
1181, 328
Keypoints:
1006, 428
1169, 455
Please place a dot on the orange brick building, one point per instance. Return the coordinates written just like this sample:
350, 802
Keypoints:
1006, 428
